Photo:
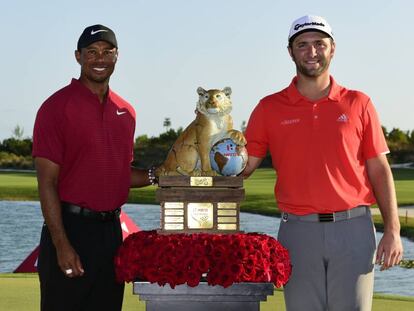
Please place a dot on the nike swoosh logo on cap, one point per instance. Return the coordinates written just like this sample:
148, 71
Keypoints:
96, 31
120, 112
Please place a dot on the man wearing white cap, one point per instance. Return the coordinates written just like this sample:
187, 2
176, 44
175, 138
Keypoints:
328, 149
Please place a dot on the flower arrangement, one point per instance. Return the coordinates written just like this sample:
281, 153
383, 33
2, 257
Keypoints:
222, 259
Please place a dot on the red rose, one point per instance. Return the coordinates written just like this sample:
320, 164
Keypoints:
180, 277
193, 278
218, 252
202, 264
225, 279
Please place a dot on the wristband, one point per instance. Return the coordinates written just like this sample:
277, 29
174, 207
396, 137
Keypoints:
151, 176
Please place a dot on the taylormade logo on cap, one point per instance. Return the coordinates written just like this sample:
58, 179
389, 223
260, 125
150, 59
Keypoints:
309, 23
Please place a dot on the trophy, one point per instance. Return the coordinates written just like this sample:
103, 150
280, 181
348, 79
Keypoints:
199, 190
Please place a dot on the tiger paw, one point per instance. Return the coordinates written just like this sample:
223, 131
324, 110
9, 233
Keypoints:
237, 137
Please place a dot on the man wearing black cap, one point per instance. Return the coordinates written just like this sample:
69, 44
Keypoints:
83, 146
328, 149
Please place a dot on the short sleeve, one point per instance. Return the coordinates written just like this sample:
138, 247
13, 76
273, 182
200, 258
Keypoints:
374, 142
48, 140
256, 134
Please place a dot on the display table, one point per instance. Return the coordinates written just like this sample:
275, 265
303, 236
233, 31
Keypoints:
237, 297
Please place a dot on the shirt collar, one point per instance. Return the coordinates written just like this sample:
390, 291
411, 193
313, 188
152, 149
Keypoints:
294, 95
85, 91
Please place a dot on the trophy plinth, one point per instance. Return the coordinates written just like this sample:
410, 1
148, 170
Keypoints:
200, 204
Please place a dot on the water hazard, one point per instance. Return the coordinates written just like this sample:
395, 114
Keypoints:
20, 225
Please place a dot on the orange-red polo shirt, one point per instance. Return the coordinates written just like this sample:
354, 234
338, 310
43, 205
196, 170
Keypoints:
318, 148
92, 142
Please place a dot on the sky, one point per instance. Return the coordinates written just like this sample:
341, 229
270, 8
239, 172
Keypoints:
167, 49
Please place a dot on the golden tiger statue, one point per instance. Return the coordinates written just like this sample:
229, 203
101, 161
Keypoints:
190, 154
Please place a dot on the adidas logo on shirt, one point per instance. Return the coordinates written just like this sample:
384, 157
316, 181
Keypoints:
342, 118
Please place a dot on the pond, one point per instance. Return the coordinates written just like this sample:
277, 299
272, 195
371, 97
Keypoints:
20, 225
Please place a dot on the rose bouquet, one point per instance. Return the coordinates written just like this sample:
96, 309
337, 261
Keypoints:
221, 259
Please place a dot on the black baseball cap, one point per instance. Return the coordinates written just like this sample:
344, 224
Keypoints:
95, 33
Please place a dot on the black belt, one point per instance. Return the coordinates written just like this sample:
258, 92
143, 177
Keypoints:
329, 217
87, 213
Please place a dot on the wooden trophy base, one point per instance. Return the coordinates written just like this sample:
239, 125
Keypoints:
200, 204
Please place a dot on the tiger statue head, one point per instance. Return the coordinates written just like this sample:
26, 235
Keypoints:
214, 101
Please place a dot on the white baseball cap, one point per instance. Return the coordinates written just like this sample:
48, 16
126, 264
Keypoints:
309, 23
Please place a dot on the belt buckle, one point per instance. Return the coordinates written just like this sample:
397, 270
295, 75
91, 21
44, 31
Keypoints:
110, 215
326, 217
103, 216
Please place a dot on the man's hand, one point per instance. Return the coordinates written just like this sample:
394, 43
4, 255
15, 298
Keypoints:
389, 251
68, 260
252, 164
140, 178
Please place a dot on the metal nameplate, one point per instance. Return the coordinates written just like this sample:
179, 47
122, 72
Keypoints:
174, 219
228, 205
173, 205
228, 212
227, 226
201, 181
174, 212
200, 215
227, 220
173, 226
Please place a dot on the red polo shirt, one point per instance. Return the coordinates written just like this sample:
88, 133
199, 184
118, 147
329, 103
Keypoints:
92, 142
318, 148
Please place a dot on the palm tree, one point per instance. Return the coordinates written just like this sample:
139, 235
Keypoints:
167, 124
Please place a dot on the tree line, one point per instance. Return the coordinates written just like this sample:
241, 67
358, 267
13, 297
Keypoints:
15, 152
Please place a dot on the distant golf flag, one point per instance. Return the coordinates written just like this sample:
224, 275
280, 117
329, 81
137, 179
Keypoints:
30, 263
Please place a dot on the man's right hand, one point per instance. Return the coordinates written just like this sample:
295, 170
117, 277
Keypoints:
47, 180
68, 260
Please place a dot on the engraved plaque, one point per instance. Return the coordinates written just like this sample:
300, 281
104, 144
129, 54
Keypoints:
227, 226
173, 205
227, 212
173, 226
227, 205
200, 215
201, 181
227, 219
174, 219
174, 212
207, 204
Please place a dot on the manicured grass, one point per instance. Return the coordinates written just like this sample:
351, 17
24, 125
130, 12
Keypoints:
404, 185
21, 292
18, 186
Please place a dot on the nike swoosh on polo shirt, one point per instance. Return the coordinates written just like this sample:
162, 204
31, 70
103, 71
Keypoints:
120, 112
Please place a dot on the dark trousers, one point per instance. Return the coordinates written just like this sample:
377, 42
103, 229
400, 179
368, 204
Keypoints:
96, 243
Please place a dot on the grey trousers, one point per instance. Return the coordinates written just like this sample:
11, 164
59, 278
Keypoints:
332, 264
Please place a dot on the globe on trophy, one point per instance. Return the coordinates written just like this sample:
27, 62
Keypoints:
227, 158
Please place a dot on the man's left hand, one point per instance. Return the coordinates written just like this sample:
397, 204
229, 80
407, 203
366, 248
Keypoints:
389, 251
